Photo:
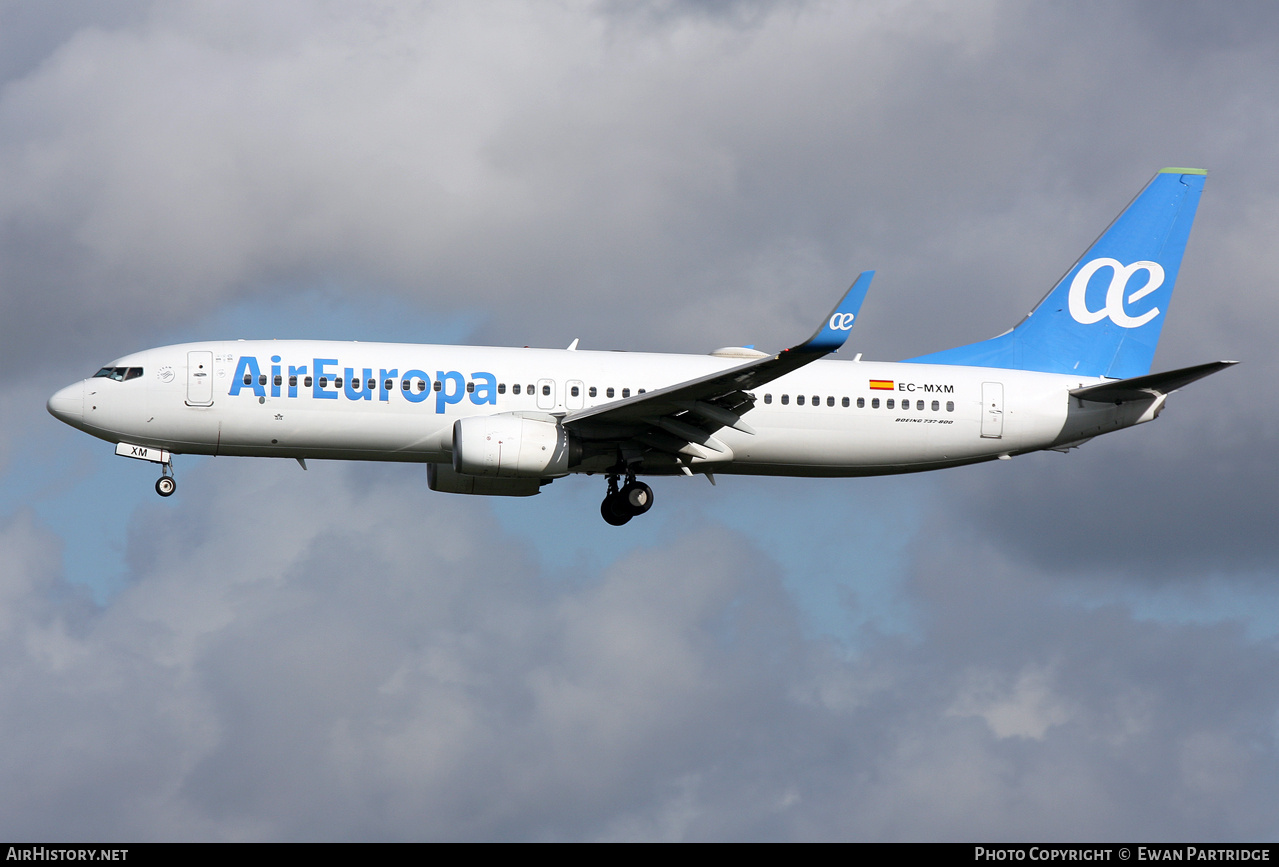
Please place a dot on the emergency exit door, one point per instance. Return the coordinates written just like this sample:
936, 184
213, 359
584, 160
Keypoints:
546, 394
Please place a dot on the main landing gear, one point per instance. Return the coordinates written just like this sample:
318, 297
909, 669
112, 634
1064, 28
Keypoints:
619, 506
166, 484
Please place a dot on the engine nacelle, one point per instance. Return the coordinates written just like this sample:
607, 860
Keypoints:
446, 480
513, 447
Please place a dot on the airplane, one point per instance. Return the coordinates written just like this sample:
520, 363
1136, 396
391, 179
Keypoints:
507, 421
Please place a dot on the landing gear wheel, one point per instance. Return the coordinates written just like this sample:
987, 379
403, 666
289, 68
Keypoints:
637, 497
614, 510
165, 486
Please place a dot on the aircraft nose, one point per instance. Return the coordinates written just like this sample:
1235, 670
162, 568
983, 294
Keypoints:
67, 405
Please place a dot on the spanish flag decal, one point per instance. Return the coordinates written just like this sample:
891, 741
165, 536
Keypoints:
882, 384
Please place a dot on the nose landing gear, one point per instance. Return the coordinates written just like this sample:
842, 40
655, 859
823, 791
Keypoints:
166, 484
619, 506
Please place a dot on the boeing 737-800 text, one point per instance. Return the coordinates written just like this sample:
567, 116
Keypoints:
505, 422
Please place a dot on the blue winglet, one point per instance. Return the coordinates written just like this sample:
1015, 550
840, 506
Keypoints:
835, 329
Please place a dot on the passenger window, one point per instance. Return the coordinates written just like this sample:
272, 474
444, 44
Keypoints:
470, 388
324, 382
950, 406
530, 389
919, 404
799, 400
293, 382
501, 388
626, 392
861, 403
609, 392
768, 398
830, 401
279, 380
936, 406
389, 384
248, 379
515, 389
844, 401
337, 382
817, 400
306, 383
593, 391
546, 390
575, 391
888, 403
421, 386
642, 390
874, 403
405, 385
371, 384
439, 385
785, 399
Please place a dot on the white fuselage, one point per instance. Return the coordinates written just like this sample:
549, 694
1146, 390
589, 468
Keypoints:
829, 418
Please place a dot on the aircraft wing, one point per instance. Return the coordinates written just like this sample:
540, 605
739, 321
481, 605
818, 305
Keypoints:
689, 412
1139, 387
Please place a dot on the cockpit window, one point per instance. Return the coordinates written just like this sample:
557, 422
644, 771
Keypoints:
119, 374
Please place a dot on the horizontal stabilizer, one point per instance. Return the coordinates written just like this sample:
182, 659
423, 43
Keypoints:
1140, 387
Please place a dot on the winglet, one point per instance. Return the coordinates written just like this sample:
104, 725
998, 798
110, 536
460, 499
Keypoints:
834, 331
706, 395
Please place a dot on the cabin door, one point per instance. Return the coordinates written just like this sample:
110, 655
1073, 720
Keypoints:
992, 409
199, 378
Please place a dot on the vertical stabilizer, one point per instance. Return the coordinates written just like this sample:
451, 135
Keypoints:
1104, 317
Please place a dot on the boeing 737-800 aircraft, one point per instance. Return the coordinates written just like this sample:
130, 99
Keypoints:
505, 422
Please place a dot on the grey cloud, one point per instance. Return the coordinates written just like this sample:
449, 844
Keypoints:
305, 657
733, 175
1192, 494
377, 664
30, 33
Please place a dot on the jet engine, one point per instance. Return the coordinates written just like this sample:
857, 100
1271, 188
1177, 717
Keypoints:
513, 446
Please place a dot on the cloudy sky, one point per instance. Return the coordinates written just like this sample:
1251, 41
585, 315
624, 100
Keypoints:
1077, 647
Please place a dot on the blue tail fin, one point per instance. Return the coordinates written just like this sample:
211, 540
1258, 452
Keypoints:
1104, 317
